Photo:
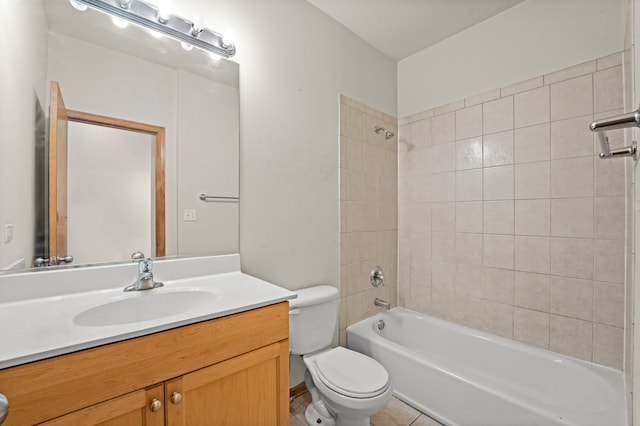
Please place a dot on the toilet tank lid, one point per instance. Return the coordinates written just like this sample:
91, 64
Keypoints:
313, 296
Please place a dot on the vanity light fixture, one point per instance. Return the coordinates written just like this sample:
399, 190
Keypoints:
78, 6
197, 25
119, 22
160, 18
165, 10
155, 34
228, 37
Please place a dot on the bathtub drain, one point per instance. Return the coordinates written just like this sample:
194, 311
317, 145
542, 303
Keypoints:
381, 325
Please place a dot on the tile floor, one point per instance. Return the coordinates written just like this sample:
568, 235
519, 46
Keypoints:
396, 413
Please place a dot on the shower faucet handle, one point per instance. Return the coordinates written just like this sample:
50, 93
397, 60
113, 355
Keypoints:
377, 277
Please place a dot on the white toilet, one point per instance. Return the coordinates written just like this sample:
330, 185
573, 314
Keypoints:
346, 387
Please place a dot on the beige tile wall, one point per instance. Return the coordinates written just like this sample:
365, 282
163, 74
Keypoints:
368, 210
507, 221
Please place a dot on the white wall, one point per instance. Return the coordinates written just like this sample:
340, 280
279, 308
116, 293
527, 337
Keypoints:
530, 39
208, 162
22, 78
294, 63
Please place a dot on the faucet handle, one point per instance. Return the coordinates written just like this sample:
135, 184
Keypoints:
377, 277
137, 255
145, 266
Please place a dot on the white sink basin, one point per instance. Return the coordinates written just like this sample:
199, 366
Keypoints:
55, 312
145, 305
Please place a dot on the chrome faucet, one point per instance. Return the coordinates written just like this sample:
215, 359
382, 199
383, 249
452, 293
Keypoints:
382, 303
145, 277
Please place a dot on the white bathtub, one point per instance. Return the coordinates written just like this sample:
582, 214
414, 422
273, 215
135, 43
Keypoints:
461, 376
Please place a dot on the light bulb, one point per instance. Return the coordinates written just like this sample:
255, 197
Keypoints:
228, 37
155, 34
186, 46
165, 9
78, 6
119, 22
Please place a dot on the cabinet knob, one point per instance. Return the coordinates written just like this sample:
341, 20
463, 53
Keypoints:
155, 405
176, 397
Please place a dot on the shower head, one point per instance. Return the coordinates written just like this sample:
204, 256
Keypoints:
387, 135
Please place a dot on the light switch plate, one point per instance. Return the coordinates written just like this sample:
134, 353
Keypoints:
8, 233
189, 215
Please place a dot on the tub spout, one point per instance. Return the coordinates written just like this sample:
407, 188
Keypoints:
382, 303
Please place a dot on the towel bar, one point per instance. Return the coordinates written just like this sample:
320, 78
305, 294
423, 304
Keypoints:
623, 121
204, 197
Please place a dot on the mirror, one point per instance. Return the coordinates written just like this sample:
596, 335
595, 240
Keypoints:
127, 75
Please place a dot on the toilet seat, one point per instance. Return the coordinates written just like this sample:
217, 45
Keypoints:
351, 373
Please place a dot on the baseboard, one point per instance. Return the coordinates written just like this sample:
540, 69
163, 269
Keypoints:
297, 390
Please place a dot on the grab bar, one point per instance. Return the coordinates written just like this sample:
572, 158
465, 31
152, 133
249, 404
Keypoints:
204, 197
623, 121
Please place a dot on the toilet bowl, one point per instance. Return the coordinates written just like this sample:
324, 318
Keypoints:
346, 387
352, 385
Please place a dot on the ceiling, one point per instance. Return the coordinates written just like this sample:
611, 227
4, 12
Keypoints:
400, 28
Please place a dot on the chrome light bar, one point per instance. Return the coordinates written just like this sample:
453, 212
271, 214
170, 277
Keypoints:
148, 16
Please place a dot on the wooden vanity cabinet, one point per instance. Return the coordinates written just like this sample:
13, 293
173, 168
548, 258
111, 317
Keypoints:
134, 408
232, 370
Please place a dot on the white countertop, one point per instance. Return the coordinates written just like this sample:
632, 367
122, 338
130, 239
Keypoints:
37, 328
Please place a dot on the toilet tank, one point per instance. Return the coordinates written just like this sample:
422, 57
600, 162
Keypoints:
313, 316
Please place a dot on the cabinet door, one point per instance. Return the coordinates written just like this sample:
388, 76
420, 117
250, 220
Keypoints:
250, 389
132, 409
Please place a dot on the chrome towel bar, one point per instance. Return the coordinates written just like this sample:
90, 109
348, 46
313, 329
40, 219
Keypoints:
631, 119
204, 197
